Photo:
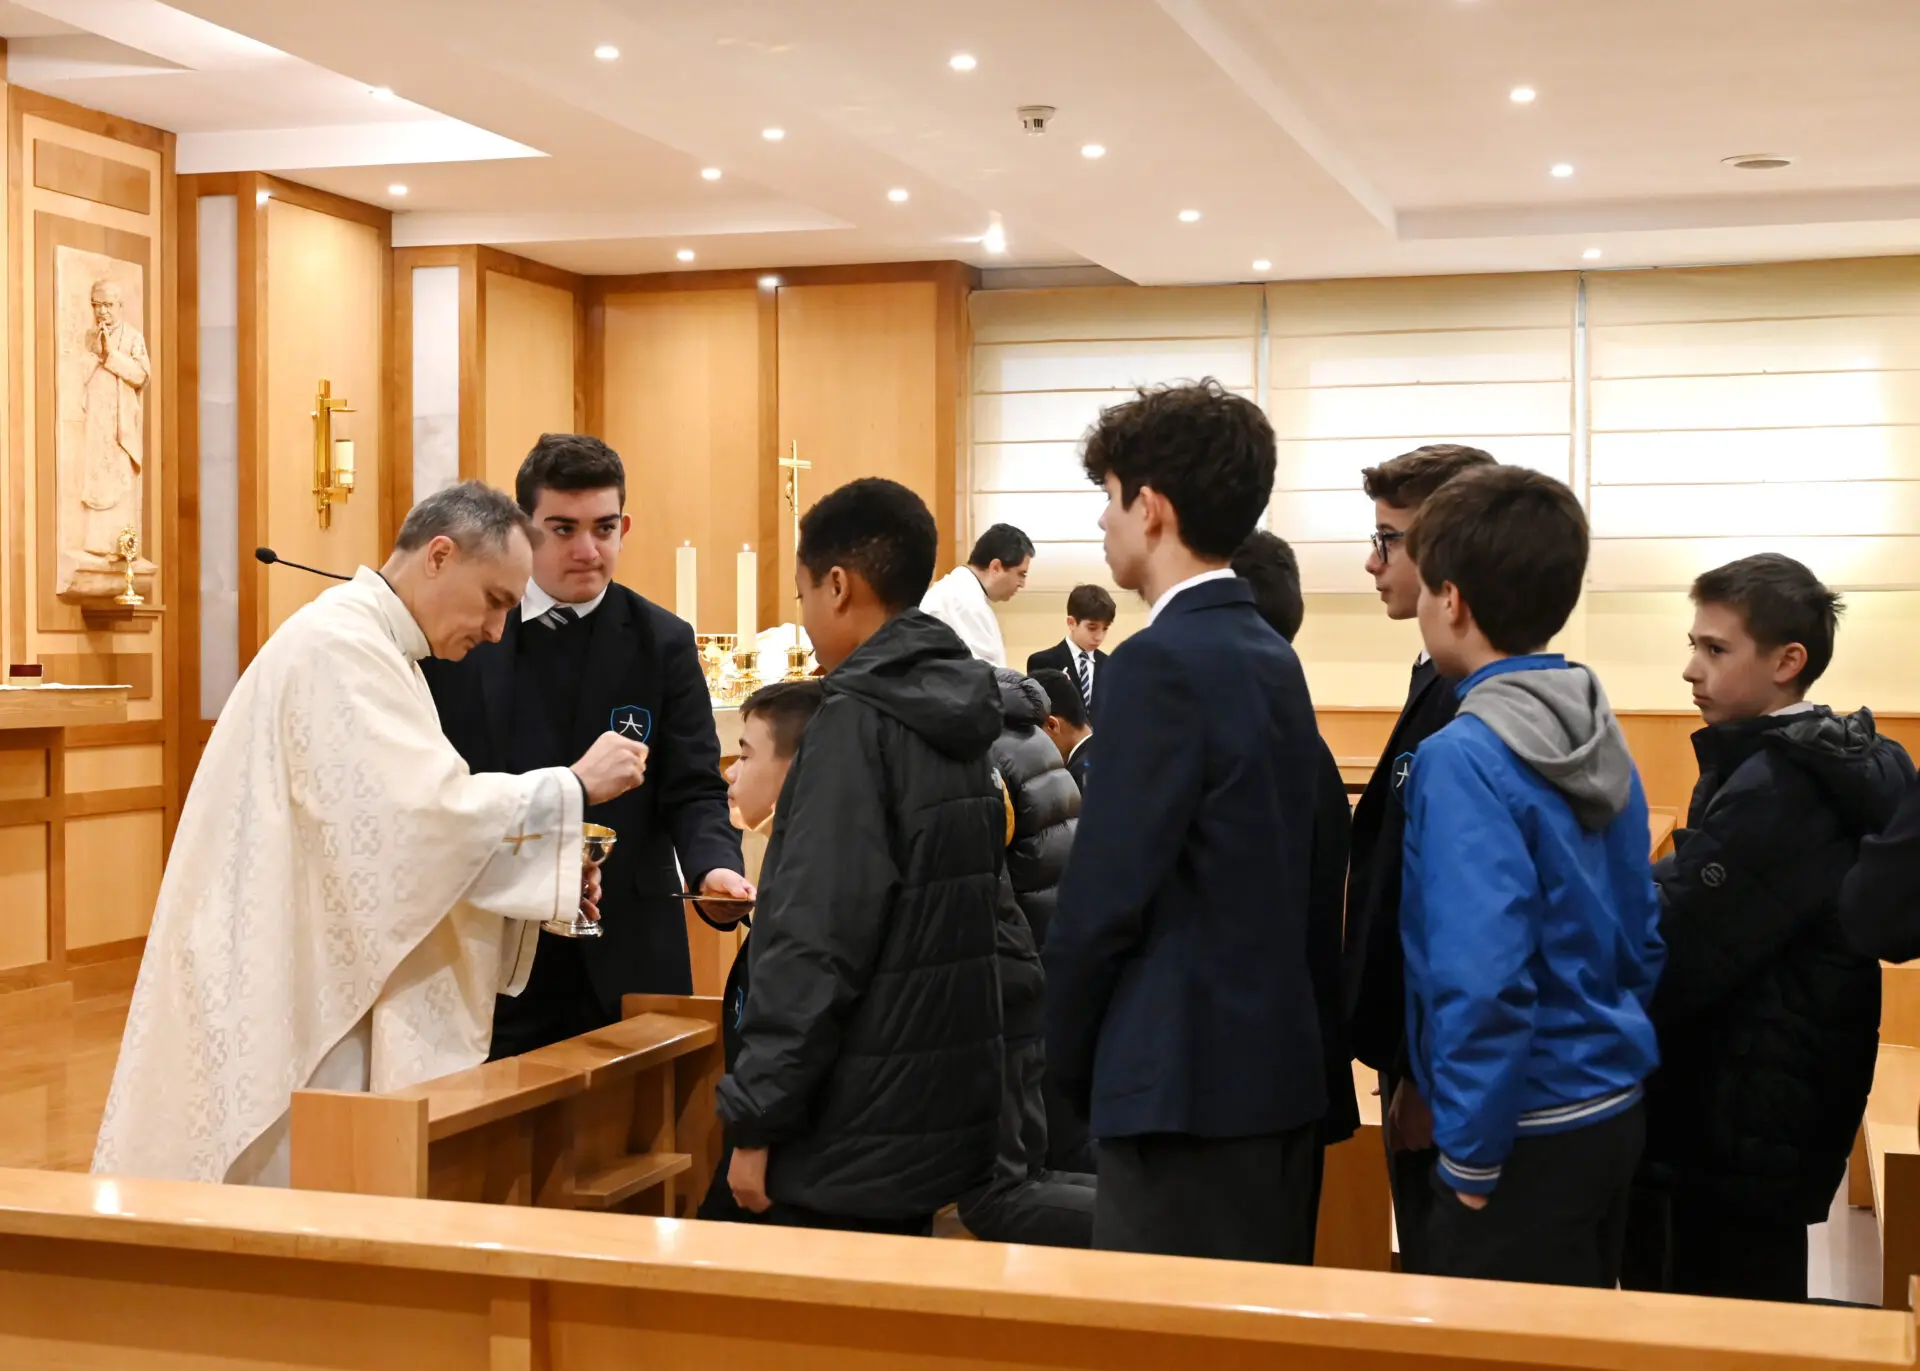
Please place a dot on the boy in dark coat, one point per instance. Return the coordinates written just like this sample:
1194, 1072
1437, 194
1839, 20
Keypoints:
866, 1094
1768, 1018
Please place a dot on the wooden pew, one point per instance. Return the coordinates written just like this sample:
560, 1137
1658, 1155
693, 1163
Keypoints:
99, 1274
1891, 1137
621, 1118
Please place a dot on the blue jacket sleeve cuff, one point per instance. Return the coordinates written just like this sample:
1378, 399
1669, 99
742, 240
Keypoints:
1468, 1180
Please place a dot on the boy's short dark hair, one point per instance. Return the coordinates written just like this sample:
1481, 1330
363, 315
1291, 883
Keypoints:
878, 530
1783, 602
1091, 605
1267, 564
1003, 543
1063, 696
1514, 542
787, 706
569, 461
1208, 451
1407, 480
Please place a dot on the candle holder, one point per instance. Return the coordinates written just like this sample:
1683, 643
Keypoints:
746, 674
799, 663
332, 456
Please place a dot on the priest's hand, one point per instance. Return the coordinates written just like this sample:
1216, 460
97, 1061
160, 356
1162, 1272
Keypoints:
613, 766
725, 885
747, 1178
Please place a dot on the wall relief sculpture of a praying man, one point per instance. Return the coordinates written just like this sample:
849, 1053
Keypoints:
113, 436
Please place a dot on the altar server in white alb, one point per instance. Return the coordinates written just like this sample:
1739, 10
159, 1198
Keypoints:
344, 899
964, 598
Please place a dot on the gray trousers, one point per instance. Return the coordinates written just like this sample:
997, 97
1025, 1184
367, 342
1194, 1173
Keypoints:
1023, 1201
1241, 1199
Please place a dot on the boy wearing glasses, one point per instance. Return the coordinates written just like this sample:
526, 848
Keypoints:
1376, 989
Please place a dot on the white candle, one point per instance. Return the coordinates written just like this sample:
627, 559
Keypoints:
686, 583
746, 595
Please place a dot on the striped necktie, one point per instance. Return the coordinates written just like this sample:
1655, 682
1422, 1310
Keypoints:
559, 616
1086, 679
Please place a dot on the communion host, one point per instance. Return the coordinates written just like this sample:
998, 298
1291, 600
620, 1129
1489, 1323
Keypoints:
579, 657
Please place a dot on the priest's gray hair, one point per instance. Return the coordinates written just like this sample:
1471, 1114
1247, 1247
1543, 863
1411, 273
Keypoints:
473, 514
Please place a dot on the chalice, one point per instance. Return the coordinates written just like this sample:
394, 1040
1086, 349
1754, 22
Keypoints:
596, 841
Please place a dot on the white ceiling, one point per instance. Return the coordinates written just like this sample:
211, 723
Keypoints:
1331, 137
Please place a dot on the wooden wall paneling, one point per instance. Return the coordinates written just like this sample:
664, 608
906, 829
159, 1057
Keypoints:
134, 669
952, 363
593, 355
531, 312
396, 478
16, 551
183, 473
89, 176
252, 290
473, 367
776, 593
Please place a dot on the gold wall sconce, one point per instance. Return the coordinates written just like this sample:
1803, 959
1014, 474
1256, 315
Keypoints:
332, 457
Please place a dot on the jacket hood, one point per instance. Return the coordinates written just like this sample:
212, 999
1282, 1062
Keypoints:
1865, 774
1023, 701
1557, 721
916, 670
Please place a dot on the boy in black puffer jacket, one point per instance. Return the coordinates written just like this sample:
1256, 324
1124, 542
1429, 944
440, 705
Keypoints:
1768, 1019
866, 1094
1025, 1201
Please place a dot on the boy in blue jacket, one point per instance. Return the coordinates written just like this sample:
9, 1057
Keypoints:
1528, 914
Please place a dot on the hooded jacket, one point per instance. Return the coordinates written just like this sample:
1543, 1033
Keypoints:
1769, 1019
1528, 916
870, 1043
1046, 802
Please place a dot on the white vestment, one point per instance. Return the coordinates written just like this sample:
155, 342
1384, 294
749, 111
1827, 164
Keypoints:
959, 601
335, 911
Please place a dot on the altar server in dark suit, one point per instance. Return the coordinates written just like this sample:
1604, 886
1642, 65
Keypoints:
580, 656
1090, 613
1067, 723
1180, 999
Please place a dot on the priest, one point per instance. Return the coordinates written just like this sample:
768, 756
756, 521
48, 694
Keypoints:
344, 899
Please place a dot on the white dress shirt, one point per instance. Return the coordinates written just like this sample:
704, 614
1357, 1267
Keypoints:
1166, 598
959, 601
537, 602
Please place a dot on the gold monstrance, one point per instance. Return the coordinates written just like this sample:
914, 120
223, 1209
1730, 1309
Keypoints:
796, 655
128, 546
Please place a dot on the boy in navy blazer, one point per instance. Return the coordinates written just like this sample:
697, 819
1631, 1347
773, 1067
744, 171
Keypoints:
1181, 1007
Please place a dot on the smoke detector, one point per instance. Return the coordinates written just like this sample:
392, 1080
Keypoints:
1035, 119
1758, 161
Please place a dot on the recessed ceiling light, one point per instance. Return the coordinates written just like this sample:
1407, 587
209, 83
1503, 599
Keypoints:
1758, 161
381, 92
260, 197
773, 135
1591, 254
1262, 264
1522, 95
1562, 170
1093, 152
897, 195
607, 52
709, 173
995, 239
1189, 216
769, 283
962, 61
685, 254
396, 189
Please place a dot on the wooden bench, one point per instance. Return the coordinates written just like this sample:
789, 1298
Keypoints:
98, 1274
1891, 1139
620, 1118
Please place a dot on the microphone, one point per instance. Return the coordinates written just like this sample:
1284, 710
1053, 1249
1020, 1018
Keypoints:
268, 556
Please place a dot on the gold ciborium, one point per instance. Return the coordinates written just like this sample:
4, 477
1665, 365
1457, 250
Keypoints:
714, 650
596, 842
